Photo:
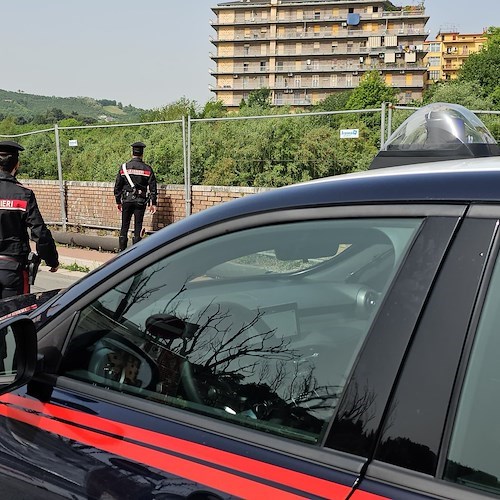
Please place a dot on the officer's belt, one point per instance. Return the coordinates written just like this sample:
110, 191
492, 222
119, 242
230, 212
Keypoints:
13, 259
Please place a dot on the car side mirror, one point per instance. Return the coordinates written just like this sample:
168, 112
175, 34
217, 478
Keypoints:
18, 352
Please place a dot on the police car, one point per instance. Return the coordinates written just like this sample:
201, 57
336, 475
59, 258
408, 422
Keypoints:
335, 339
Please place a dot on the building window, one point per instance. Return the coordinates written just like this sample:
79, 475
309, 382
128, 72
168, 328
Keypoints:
434, 47
298, 81
434, 75
351, 10
279, 66
245, 67
333, 80
246, 49
375, 9
317, 15
434, 61
315, 81
263, 66
316, 64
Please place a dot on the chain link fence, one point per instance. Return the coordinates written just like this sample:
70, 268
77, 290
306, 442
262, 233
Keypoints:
266, 150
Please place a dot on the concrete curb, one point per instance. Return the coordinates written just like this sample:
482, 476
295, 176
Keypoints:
67, 272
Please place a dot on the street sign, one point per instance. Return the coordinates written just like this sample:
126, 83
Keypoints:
349, 133
73, 143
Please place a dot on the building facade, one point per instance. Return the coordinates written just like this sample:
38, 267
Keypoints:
446, 54
304, 50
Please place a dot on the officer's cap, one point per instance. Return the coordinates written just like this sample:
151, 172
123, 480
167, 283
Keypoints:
138, 148
10, 147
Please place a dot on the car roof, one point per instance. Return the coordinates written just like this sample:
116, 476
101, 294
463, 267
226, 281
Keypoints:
455, 181
465, 180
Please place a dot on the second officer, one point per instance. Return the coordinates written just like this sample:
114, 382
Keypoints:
135, 189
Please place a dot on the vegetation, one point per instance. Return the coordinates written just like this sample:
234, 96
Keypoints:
29, 108
260, 151
75, 267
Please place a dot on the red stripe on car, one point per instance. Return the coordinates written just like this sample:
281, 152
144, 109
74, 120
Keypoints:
261, 470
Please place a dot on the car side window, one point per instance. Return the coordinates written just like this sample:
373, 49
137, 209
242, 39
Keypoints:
475, 442
259, 327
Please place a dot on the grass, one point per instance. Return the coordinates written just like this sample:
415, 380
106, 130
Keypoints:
76, 267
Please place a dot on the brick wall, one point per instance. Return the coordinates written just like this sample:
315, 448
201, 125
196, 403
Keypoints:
92, 204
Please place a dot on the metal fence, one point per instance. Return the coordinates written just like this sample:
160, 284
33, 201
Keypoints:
186, 125
390, 117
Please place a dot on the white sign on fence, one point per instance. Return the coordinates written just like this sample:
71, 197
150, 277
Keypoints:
73, 143
349, 133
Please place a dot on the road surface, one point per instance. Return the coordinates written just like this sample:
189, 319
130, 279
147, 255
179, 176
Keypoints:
50, 281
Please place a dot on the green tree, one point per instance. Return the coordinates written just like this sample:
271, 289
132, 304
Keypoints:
371, 92
336, 101
213, 109
174, 111
483, 67
466, 93
492, 36
260, 98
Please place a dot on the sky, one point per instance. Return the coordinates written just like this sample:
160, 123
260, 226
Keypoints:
146, 53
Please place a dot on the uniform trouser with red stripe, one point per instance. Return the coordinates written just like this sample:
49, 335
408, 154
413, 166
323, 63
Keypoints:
13, 282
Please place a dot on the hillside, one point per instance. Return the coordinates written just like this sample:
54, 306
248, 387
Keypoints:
29, 106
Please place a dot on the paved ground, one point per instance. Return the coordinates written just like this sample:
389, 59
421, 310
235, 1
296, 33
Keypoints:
82, 257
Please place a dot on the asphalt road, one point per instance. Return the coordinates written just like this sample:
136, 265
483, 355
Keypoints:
50, 281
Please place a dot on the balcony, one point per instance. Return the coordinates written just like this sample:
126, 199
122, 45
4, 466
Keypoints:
310, 35
291, 17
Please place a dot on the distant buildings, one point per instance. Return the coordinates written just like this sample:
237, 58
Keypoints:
305, 50
446, 54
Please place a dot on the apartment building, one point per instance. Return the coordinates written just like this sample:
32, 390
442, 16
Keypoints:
304, 50
446, 54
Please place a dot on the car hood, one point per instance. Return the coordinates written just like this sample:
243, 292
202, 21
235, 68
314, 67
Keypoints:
24, 304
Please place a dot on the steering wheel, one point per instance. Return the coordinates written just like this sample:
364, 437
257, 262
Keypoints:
223, 319
119, 360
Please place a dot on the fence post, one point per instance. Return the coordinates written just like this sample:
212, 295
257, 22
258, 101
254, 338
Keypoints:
62, 195
382, 126
187, 179
389, 121
184, 157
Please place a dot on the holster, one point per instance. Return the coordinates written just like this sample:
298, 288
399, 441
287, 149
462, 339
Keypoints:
33, 264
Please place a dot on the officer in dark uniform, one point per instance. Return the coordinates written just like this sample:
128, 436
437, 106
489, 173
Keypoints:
135, 188
18, 212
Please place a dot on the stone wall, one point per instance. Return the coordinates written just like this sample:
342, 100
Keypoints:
92, 206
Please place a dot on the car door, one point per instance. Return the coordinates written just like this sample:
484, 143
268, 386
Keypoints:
439, 438
234, 361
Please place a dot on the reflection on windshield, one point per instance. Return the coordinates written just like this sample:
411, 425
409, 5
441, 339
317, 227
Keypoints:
267, 341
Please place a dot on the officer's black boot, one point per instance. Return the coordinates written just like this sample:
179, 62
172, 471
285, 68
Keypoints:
122, 243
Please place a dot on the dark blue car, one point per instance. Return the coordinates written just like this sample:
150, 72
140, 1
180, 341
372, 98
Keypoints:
336, 339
